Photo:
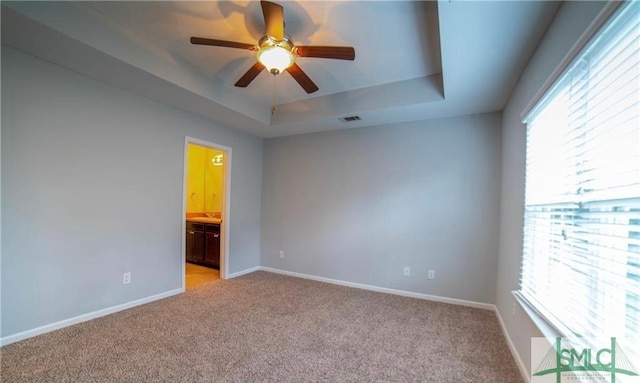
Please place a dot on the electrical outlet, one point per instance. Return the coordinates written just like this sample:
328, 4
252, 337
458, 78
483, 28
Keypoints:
407, 271
126, 278
281, 253
431, 274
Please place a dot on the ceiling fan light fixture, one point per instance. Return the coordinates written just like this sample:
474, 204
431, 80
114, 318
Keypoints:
276, 56
275, 59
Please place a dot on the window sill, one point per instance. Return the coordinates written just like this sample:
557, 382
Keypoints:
546, 328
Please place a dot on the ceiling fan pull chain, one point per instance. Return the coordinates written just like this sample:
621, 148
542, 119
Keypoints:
273, 96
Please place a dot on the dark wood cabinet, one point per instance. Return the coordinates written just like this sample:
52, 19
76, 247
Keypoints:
203, 244
212, 248
195, 242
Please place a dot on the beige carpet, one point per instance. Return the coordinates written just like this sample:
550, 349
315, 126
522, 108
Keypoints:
264, 327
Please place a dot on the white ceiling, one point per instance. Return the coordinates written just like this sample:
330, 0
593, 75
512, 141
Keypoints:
414, 60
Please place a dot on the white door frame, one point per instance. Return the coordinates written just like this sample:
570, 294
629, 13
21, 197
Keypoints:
226, 201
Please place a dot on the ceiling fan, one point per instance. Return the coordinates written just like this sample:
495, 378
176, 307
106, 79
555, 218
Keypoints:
277, 53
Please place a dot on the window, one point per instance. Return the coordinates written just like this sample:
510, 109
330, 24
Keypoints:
581, 250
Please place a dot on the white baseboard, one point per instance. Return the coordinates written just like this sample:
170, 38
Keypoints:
435, 298
243, 272
512, 348
84, 317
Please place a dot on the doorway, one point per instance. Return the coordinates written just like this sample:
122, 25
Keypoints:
205, 218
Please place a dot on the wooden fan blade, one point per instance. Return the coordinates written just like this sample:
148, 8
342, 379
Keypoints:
221, 43
273, 19
305, 82
326, 52
252, 73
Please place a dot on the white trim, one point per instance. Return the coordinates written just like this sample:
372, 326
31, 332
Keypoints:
84, 317
243, 272
183, 224
575, 50
545, 326
512, 348
226, 214
404, 293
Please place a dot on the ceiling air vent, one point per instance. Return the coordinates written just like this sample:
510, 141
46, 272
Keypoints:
349, 118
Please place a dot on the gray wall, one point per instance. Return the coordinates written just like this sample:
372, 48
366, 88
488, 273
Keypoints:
570, 22
92, 187
360, 204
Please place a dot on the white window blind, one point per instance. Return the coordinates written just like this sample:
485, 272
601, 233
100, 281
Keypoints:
581, 249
